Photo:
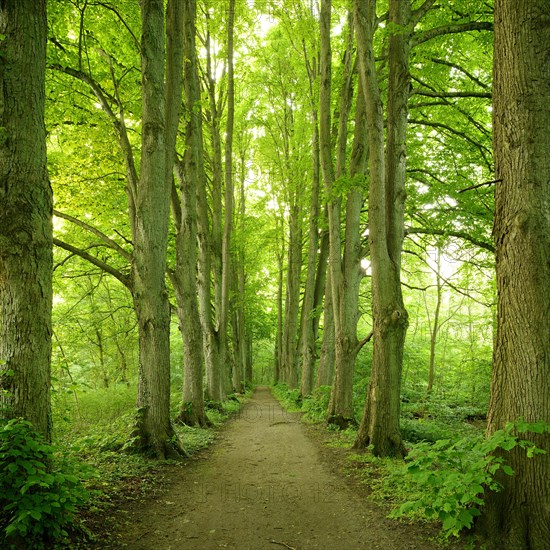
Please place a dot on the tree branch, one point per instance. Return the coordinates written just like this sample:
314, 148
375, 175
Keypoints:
365, 340
108, 241
462, 70
478, 185
124, 279
485, 153
105, 100
114, 10
427, 93
458, 234
418, 14
451, 29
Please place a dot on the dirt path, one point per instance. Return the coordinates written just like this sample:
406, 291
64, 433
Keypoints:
263, 487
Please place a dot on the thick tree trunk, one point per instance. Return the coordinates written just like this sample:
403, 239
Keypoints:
380, 423
25, 217
150, 242
518, 517
209, 264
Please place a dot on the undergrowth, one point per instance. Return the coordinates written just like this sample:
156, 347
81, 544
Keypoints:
65, 495
450, 464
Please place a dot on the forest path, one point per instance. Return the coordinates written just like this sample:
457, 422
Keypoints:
264, 486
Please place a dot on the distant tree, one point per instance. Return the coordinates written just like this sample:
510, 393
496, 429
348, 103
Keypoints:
518, 517
25, 217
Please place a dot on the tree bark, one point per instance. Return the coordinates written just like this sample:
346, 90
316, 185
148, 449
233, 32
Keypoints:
325, 371
518, 517
278, 375
152, 207
214, 388
229, 202
345, 273
380, 422
309, 314
190, 175
25, 217
434, 332
292, 302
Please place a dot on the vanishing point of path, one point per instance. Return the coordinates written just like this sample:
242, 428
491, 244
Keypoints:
263, 487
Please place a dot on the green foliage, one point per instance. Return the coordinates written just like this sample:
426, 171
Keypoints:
39, 494
448, 481
290, 399
315, 406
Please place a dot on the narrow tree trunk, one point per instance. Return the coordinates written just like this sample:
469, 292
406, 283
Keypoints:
229, 200
290, 327
214, 389
190, 175
240, 276
278, 352
435, 327
518, 517
25, 217
325, 372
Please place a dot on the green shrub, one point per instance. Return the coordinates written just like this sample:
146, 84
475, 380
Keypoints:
315, 406
291, 399
38, 495
415, 431
448, 480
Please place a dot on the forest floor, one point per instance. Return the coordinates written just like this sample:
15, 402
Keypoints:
267, 483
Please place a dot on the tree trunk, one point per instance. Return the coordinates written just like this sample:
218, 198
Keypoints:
518, 517
150, 242
215, 389
325, 372
310, 315
229, 200
436, 326
345, 270
278, 352
190, 175
25, 217
380, 422
292, 303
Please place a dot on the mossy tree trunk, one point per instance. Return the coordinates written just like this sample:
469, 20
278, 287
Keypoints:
25, 217
518, 517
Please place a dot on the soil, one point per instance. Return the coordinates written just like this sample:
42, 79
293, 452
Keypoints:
267, 483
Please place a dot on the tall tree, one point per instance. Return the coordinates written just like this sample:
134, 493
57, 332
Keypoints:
190, 176
380, 423
316, 263
151, 200
25, 217
229, 196
518, 516
344, 265
148, 194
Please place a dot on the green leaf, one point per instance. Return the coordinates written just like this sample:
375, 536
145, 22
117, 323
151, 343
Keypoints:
509, 444
507, 470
